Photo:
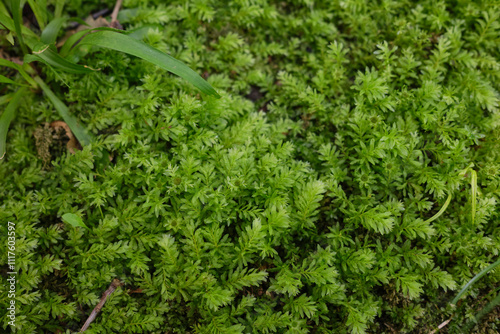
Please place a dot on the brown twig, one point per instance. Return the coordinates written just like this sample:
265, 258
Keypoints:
114, 15
116, 283
442, 325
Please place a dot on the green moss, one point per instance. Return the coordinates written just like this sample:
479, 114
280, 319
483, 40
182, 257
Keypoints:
299, 202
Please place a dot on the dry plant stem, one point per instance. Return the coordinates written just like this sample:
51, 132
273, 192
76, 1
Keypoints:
114, 14
441, 326
116, 283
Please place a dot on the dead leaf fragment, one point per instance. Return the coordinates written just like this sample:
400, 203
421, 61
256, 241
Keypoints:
72, 144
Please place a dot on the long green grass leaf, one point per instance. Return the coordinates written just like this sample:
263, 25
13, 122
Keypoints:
59, 7
5, 20
5, 99
40, 11
6, 118
16, 15
123, 43
473, 280
30, 38
440, 212
4, 79
488, 308
49, 34
8, 63
70, 42
73, 39
50, 57
80, 133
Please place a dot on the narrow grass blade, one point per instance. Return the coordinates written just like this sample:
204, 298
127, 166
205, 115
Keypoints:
16, 15
473, 185
40, 11
3, 9
80, 133
440, 212
123, 43
59, 7
8, 23
473, 280
5, 20
8, 63
4, 79
488, 308
74, 220
6, 118
49, 34
73, 39
5, 99
50, 57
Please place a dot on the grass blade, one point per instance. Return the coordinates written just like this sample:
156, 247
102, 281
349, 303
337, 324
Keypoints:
7, 22
73, 39
4, 79
8, 63
440, 212
49, 34
50, 57
123, 43
488, 308
59, 7
80, 133
137, 33
473, 280
40, 12
6, 118
5, 99
16, 15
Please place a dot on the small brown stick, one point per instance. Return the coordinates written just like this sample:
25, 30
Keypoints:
116, 283
114, 15
442, 325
